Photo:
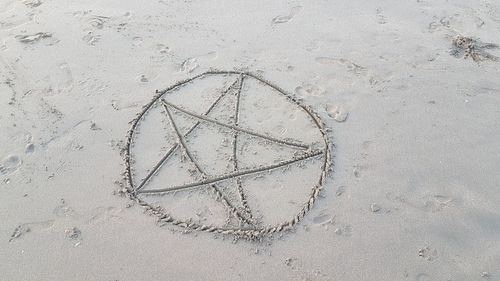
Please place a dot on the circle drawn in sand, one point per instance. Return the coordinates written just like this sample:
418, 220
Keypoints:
227, 152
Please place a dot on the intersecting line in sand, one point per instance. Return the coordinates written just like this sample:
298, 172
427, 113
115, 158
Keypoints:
244, 213
215, 189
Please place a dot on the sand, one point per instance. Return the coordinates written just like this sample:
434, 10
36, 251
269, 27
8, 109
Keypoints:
408, 93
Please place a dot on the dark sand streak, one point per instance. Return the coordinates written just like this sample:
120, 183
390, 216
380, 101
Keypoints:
215, 189
174, 147
235, 128
239, 173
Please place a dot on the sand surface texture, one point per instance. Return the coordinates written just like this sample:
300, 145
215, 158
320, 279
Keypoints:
249, 140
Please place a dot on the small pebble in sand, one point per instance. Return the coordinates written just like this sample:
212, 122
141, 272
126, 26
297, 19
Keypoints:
374, 208
485, 274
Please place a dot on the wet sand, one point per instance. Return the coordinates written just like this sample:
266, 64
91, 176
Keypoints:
408, 94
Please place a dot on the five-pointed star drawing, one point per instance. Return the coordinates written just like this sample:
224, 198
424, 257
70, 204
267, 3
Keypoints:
240, 208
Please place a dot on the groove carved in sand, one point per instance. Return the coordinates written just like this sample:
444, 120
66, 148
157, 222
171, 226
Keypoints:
239, 208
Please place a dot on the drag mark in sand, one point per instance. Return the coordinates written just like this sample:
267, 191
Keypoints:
241, 191
219, 195
238, 129
237, 174
175, 146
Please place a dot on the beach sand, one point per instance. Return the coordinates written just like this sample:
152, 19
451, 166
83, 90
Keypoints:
408, 91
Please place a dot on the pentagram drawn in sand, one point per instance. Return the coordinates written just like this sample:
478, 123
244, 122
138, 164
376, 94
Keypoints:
227, 152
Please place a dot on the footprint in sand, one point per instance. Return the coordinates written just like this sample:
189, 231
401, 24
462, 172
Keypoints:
10, 18
104, 214
435, 203
32, 3
340, 190
30, 227
380, 17
63, 210
343, 229
423, 277
324, 217
97, 22
328, 221
67, 81
351, 66
456, 21
10, 164
310, 90
137, 41
432, 203
33, 38
91, 38
161, 52
313, 46
6, 6
337, 112
61, 79
286, 18
90, 21
38, 38
192, 63
30, 148
120, 105
189, 65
